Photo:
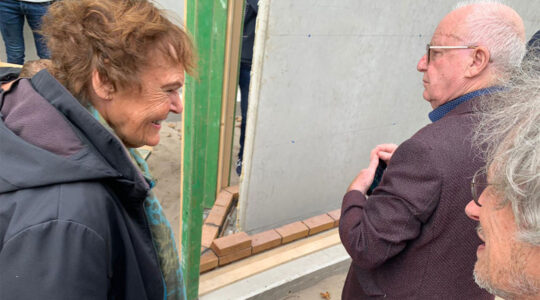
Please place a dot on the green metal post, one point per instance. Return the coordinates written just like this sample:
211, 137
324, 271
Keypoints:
206, 20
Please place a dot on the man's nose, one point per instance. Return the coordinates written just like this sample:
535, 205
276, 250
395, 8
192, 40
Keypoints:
422, 64
472, 210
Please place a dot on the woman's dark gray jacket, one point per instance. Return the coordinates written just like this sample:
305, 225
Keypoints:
72, 223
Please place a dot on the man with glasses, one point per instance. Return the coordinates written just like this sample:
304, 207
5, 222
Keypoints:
410, 238
506, 202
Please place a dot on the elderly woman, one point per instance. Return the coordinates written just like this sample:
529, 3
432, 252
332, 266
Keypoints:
78, 219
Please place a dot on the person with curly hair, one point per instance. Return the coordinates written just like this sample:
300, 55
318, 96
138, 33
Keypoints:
506, 193
78, 218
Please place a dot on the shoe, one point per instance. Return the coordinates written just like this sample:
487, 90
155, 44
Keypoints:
238, 167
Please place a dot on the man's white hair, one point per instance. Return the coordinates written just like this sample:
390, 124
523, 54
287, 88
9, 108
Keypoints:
488, 25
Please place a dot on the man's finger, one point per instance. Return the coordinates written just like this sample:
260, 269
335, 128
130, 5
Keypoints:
373, 163
385, 156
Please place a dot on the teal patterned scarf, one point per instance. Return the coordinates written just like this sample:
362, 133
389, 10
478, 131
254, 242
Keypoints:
162, 234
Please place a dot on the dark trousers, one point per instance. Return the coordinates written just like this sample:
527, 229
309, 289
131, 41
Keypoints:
12, 15
243, 82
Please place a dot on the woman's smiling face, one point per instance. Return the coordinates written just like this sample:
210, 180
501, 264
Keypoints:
136, 114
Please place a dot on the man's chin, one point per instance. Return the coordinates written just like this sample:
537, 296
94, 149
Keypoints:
483, 281
428, 98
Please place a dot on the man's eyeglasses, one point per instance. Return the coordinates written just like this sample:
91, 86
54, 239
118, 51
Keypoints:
478, 184
429, 47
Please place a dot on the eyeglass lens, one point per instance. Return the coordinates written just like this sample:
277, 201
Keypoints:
478, 184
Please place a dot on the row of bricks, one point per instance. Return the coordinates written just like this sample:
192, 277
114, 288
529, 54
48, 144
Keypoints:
240, 245
217, 215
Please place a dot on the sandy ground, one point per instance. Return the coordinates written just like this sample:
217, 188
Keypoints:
329, 288
164, 164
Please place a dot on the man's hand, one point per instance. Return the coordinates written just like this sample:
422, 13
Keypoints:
384, 151
363, 180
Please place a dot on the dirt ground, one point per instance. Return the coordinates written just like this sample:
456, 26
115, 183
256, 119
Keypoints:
164, 164
328, 289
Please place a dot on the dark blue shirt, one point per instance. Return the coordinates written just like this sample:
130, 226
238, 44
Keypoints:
442, 110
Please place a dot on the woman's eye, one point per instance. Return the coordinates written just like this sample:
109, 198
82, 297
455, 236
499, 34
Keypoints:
174, 91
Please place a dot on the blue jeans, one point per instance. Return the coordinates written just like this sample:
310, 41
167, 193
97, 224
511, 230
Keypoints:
12, 14
243, 82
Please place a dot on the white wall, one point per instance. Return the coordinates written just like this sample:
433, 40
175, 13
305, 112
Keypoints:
336, 79
174, 7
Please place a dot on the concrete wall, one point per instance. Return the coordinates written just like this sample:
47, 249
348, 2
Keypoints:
174, 7
331, 80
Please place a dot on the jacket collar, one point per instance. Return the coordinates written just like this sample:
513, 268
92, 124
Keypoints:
444, 109
98, 138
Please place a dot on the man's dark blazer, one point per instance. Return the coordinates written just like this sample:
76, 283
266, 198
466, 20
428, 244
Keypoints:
411, 238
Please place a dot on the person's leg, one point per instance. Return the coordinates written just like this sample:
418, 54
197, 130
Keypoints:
11, 26
34, 13
243, 82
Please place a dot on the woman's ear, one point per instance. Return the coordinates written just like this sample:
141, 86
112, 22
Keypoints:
102, 88
480, 60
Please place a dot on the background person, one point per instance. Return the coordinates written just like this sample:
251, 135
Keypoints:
410, 238
508, 210
78, 219
244, 78
12, 16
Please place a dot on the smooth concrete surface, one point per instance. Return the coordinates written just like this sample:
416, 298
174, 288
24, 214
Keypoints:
284, 279
330, 81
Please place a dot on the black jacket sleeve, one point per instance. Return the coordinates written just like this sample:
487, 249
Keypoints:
54, 260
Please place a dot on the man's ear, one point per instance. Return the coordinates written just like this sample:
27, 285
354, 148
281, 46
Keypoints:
480, 60
102, 88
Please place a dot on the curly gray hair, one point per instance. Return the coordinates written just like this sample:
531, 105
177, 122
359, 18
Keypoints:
509, 129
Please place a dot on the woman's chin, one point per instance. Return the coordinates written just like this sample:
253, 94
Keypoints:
136, 143
152, 142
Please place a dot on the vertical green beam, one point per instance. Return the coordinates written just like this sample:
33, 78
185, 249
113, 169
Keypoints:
206, 20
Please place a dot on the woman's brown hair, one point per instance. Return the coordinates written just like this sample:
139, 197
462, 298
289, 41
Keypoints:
114, 37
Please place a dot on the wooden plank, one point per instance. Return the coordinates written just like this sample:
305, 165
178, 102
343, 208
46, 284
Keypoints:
258, 263
230, 88
8, 65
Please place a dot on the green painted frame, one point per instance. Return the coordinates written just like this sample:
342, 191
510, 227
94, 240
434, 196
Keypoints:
206, 20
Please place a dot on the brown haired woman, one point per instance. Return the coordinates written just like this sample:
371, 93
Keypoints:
78, 219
